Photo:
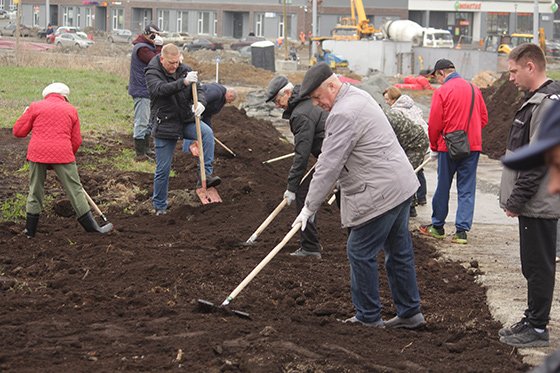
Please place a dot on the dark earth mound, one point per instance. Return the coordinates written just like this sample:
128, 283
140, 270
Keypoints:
75, 302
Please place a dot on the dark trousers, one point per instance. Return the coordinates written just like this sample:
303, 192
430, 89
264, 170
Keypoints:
309, 238
537, 241
422, 189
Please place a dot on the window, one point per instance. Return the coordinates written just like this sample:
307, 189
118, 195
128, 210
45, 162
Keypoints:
182, 21
68, 16
215, 31
497, 22
259, 29
203, 23
287, 27
524, 23
89, 22
163, 20
117, 18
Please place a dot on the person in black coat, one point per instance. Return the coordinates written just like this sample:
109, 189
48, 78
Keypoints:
169, 83
307, 123
217, 96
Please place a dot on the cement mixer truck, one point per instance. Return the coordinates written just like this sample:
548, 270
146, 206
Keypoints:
406, 30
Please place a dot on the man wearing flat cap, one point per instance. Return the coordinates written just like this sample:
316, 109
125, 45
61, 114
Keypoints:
362, 155
307, 123
456, 106
524, 195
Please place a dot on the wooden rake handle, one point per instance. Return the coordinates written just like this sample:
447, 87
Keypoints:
94, 206
261, 265
199, 138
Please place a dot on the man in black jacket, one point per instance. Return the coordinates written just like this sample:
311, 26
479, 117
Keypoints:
524, 195
217, 96
173, 118
307, 123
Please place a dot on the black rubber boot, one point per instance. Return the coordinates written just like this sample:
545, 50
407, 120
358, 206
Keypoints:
148, 150
140, 147
90, 225
31, 225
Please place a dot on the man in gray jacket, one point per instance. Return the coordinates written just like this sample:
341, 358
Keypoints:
376, 182
523, 194
307, 123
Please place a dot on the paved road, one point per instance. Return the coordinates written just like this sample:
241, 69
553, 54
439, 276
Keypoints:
494, 243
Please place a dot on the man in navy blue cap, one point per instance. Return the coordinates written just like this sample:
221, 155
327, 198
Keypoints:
524, 195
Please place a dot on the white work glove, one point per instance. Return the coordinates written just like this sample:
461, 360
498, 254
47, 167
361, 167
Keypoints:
192, 77
158, 40
289, 196
303, 217
199, 109
433, 155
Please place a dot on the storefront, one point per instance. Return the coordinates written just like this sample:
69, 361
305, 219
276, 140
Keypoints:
478, 19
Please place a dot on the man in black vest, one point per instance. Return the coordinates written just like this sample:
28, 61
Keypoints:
146, 46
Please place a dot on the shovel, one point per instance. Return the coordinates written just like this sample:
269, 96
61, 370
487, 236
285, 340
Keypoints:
94, 206
208, 306
272, 215
206, 195
333, 197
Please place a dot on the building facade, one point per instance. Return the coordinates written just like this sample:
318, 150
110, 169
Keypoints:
238, 18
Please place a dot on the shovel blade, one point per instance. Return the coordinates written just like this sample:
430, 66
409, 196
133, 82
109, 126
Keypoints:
208, 195
207, 307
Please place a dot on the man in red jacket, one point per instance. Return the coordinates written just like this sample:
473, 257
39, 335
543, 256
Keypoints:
451, 111
54, 142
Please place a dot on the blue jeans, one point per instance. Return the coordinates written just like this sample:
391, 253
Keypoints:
388, 232
141, 117
466, 190
164, 158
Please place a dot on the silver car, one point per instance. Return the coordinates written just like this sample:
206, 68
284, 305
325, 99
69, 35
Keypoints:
120, 36
73, 40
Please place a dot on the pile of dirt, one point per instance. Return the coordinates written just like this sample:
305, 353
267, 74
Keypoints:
502, 100
127, 301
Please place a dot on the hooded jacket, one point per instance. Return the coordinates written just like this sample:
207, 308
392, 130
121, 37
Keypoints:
215, 94
525, 192
406, 105
55, 128
307, 123
170, 100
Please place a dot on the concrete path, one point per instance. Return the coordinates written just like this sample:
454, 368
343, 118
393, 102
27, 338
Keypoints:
494, 243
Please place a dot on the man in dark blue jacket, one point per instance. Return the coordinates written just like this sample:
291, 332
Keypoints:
146, 46
217, 96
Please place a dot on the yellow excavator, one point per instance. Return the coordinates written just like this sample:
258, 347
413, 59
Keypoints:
505, 43
352, 28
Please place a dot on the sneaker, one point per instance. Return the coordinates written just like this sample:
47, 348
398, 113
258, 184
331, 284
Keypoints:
526, 336
515, 328
302, 252
430, 230
412, 322
354, 320
460, 237
422, 202
161, 212
211, 181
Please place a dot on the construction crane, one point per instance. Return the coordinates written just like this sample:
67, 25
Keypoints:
352, 28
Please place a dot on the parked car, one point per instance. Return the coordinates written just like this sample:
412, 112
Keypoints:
72, 40
65, 30
245, 42
552, 48
4, 14
120, 36
198, 44
177, 38
10, 30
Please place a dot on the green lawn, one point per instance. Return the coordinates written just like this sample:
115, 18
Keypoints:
101, 98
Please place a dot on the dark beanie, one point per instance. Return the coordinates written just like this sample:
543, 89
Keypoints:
314, 77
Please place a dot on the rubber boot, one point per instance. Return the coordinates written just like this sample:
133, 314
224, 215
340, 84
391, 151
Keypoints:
140, 147
31, 225
90, 225
148, 150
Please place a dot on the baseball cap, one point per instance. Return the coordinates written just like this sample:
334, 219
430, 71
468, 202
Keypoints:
548, 136
151, 29
441, 65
